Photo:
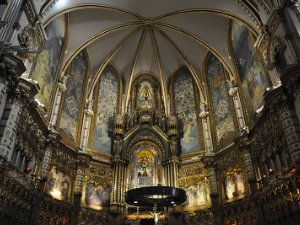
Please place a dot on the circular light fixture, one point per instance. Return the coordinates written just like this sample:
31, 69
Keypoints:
160, 196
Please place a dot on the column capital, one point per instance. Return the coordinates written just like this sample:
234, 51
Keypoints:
83, 160
53, 139
291, 79
209, 162
11, 66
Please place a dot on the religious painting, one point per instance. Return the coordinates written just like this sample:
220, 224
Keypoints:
185, 106
251, 71
197, 195
234, 186
97, 196
73, 95
216, 83
106, 108
47, 61
145, 92
58, 184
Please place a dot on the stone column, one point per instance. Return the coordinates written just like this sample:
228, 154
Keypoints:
62, 86
204, 115
119, 172
10, 17
234, 93
244, 147
292, 18
17, 98
209, 164
11, 68
88, 113
283, 99
51, 145
83, 161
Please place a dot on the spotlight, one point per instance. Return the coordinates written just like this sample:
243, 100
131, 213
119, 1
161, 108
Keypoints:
270, 170
27, 170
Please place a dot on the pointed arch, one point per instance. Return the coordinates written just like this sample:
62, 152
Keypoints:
107, 96
185, 104
222, 116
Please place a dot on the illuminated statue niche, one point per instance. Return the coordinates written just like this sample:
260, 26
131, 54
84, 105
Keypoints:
145, 168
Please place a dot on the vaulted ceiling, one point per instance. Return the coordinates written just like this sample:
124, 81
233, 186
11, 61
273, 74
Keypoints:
157, 37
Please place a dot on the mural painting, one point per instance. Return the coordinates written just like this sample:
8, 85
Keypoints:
220, 99
97, 196
106, 108
186, 111
252, 75
197, 195
72, 96
45, 69
145, 92
58, 184
234, 185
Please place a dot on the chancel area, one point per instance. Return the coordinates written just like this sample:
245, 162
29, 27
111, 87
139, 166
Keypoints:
149, 112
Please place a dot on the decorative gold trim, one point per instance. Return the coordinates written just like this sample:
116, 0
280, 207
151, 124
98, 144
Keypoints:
209, 11
110, 55
136, 55
186, 61
158, 60
96, 37
91, 6
229, 15
201, 42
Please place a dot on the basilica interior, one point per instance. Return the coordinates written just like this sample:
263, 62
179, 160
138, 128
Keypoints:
157, 112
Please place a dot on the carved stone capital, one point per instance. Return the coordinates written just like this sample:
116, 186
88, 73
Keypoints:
11, 66
291, 79
83, 160
53, 139
209, 162
23, 93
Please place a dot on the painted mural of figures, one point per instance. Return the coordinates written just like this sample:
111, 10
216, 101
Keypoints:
197, 195
251, 71
72, 96
186, 111
47, 61
220, 98
106, 108
58, 184
234, 185
97, 196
